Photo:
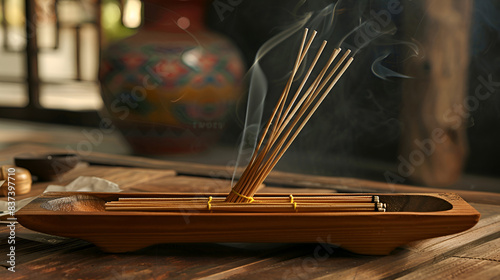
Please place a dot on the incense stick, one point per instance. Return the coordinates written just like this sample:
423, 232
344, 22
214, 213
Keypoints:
360, 198
261, 204
289, 118
264, 198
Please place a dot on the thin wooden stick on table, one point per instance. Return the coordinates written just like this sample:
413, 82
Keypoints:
261, 204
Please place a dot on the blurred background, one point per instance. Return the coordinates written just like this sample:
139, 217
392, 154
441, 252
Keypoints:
420, 105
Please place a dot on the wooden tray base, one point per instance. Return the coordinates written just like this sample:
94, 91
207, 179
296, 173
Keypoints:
409, 217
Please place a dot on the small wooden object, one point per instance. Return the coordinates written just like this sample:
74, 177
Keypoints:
19, 178
409, 217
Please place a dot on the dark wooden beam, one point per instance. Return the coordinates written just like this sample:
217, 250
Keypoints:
434, 144
33, 79
80, 118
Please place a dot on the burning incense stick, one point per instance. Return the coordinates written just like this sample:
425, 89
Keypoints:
289, 118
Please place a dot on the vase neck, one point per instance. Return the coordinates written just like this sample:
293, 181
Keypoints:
174, 16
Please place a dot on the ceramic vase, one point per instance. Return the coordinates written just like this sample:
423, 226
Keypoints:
172, 86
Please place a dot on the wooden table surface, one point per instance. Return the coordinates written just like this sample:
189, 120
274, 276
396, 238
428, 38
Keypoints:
473, 254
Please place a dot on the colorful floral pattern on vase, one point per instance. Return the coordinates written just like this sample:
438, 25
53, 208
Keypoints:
171, 92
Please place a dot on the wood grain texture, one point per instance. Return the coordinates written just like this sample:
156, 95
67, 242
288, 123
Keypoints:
419, 255
77, 259
74, 259
482, 262
410, 217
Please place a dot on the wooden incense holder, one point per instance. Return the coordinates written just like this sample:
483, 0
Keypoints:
409, 217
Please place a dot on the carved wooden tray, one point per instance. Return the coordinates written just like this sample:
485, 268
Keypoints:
409, 217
